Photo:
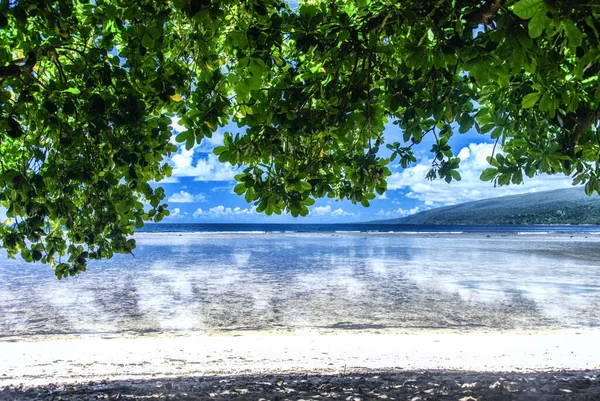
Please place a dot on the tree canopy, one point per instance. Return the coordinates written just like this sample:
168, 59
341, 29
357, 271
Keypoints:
88, 90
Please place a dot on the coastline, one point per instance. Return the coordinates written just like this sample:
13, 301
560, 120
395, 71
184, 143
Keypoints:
469, 320
85, 359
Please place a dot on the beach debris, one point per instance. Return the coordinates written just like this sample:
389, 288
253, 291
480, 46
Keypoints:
354, 386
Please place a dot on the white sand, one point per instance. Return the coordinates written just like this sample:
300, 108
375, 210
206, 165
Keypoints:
71, 360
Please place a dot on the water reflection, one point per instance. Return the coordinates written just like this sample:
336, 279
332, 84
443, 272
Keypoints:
211, 283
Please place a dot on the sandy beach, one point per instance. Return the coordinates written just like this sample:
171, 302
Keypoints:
335, 317
39, 362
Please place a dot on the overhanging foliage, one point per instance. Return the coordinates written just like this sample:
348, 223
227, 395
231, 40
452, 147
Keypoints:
89, 89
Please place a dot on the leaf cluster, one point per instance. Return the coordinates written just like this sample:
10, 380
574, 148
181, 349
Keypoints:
88, 90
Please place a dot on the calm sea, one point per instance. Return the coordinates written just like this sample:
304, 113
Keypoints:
367, 227
223, 279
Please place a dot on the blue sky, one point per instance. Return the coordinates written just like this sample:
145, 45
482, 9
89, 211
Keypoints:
201, 188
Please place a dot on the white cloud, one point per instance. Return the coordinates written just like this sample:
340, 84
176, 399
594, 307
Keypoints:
470, 188
186, 197
186, 163
341, 212
202, 169
222, 211
327, 210
176, 126
208, 144
321, 209
223, 188
398, 212
168, 180
176, 212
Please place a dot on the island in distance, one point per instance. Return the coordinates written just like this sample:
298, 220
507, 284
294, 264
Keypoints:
561, 206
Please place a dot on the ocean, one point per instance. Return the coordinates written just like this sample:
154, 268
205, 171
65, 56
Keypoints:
239, 278
366, 228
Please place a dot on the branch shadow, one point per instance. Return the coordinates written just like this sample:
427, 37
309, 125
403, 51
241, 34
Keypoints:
432, 385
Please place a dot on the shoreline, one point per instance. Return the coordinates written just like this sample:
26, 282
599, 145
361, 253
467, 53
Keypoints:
293, 332
410, 234
74, 360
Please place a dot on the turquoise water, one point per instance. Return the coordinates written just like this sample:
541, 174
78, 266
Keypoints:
210, 283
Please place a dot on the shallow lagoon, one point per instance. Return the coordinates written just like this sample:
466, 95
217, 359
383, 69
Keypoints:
219, 283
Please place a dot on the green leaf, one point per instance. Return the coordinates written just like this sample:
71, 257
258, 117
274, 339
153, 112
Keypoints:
270, 209
504, 179
488, 174
572, 33
239, 189
530, 100
466, 125
249, 195
545, 102
526, 9
262, 206
537, 24
190, 142
219, 149
497, 132
253, 82
110, 11
182, 136
74, 91
305, 186
154, 33
517, 177
308, 201
525, 41
147, 40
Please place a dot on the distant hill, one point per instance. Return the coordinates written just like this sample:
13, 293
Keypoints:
561, 206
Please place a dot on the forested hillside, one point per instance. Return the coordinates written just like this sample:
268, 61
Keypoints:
562, 206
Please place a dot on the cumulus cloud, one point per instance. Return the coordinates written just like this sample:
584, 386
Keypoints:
327, 210
207, 168
222, 211
470, 188
321, 209
186, 197
208, 144
177, 213
199, 162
